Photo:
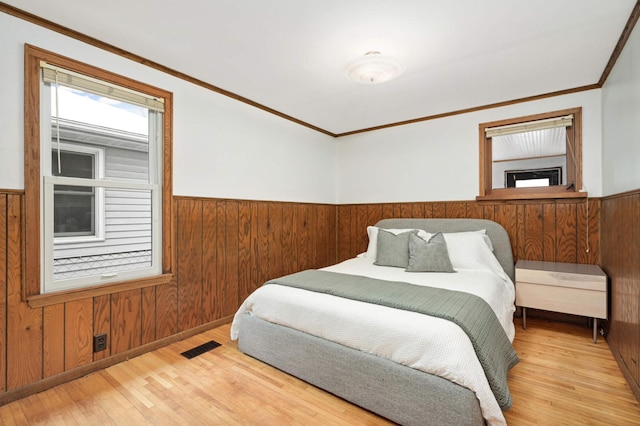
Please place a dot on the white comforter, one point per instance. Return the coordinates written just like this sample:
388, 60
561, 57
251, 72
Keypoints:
426, 343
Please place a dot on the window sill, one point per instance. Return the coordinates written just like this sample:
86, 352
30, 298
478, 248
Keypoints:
41, 300
501, 196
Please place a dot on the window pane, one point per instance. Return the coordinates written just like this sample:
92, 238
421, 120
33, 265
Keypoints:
536, 149
127, 244
93, 121
532, 144
73, 164
98, 111
529, 183
73, 211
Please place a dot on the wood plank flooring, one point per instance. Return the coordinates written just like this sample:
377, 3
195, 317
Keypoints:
562, 379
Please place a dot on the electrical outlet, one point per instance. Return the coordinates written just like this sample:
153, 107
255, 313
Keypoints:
100, 342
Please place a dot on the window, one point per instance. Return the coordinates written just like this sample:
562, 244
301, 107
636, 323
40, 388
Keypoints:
77, 211
97, 179
537, 156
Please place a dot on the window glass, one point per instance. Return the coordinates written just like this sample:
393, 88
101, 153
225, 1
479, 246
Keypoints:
73, 206
76, 164
529, 151
127, 244
73, 211
529, 178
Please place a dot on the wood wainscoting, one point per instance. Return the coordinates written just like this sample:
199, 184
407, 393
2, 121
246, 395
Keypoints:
552, 230
224, 250
621, 261
227, 248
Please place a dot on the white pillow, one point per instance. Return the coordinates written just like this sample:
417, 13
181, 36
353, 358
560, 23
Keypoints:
469, 250
482, 232
372, 232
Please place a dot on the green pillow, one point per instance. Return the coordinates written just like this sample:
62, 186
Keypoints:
393, 250
429, 256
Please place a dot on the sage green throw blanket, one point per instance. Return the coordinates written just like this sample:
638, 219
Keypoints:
470, 312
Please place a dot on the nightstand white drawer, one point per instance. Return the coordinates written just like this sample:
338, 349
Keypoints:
569, 300
563, 279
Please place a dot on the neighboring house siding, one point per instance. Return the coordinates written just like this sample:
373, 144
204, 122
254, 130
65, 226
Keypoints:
127, 164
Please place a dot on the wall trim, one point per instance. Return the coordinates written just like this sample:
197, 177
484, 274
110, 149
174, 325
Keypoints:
554, 200
624, 37
476, 108
622, 194
244, 200
12, 191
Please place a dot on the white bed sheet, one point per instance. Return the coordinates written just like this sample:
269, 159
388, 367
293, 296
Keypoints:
426, 343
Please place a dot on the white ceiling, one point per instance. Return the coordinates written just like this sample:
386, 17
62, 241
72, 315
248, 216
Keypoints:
289, 55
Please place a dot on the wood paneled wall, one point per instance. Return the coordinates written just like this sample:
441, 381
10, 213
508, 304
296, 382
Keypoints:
621, 261
224, 250
552, 230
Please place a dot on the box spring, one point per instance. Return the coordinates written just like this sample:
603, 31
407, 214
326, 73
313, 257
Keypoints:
396, 392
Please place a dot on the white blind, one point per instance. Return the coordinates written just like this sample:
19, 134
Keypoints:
53, 74
511, 129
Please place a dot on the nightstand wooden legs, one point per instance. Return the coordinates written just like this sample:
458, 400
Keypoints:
524, 318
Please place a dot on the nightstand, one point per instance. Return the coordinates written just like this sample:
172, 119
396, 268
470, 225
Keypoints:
562, 287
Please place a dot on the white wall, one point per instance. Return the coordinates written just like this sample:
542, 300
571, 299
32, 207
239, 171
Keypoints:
438, 160
222, 147
621, 121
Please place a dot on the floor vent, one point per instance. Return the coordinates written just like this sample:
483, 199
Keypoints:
199, 350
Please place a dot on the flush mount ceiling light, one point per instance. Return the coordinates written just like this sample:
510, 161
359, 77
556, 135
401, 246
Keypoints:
373, 68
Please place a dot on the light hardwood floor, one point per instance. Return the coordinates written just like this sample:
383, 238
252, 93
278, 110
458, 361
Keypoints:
562, 379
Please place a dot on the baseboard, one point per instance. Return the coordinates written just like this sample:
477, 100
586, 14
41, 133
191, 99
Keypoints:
76, 373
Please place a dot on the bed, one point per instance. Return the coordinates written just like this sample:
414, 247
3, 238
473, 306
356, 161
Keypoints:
403, 365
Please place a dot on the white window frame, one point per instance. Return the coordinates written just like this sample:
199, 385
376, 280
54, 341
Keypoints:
99, 169
48, 284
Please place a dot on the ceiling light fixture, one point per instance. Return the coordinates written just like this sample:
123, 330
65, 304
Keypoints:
373, 68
